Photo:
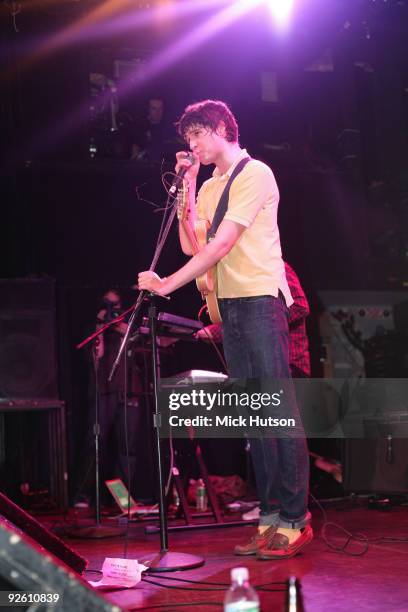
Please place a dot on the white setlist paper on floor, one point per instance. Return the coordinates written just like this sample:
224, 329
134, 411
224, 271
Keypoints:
119, 573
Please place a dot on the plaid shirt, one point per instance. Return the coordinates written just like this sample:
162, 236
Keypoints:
299, 358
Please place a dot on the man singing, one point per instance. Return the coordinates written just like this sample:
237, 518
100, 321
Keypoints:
254, 299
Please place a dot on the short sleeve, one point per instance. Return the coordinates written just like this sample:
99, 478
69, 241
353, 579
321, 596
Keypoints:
201, 201
254, 188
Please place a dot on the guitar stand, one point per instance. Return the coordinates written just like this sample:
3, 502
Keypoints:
185, 509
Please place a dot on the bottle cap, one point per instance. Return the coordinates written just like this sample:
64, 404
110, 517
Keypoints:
239, 574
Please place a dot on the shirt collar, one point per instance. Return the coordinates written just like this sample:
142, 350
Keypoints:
228, 173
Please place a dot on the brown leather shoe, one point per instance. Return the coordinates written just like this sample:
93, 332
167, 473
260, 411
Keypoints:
278, 547
257, 542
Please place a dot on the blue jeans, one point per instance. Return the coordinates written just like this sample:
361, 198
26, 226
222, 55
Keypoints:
256, 345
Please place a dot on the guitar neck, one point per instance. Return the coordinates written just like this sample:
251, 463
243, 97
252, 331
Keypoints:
183, 217
197, 239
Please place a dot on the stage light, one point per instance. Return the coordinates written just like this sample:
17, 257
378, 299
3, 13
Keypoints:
281, 10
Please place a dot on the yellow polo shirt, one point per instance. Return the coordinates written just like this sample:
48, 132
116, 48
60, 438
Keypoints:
254, 266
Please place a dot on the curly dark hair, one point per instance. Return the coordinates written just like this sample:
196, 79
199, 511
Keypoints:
208, 113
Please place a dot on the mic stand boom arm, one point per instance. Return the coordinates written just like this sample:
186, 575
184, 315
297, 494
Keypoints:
164, 231
102, 328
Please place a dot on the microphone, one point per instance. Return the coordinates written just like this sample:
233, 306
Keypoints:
178, 179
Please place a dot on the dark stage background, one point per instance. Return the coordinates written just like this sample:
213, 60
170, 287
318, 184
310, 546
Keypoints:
333, 127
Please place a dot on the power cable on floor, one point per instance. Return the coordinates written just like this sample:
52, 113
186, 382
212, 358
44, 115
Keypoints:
360, 538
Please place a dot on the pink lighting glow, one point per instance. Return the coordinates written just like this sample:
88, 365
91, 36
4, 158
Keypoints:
281, 10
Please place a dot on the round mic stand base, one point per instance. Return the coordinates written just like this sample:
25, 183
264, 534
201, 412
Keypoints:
171, 562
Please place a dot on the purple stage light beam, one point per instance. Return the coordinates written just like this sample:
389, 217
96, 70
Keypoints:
170, 55
167, 57
108, 18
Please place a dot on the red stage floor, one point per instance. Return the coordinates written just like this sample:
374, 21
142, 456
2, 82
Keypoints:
331, 581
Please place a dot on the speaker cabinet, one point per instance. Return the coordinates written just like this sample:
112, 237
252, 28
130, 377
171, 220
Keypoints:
45, 538
33, 452
24, 566
28, 365
378, 464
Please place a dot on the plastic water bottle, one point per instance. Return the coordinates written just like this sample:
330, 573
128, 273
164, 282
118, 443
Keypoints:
201, 496
293, 596
241, 596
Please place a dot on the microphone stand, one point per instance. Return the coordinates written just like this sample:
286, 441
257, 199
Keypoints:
164, 561
97, 530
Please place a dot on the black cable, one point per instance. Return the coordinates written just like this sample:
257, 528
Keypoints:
147, 394
180, 588
222, 588
125, 425
388, 539
92, 571
223, 584
360, 538
261, 587
81, 486
316, 501
350, 537
166, 223
217, 350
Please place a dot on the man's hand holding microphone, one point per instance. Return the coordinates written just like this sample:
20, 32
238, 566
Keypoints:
187, 167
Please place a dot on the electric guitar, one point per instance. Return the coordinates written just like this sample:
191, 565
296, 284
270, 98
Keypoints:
207, 282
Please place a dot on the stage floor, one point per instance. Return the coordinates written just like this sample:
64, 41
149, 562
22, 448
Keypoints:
331, 581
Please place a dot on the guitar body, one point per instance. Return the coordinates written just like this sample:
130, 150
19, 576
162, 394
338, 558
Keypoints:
206, 283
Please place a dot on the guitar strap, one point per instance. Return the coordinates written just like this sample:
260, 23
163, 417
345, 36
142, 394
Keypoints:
222, 206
